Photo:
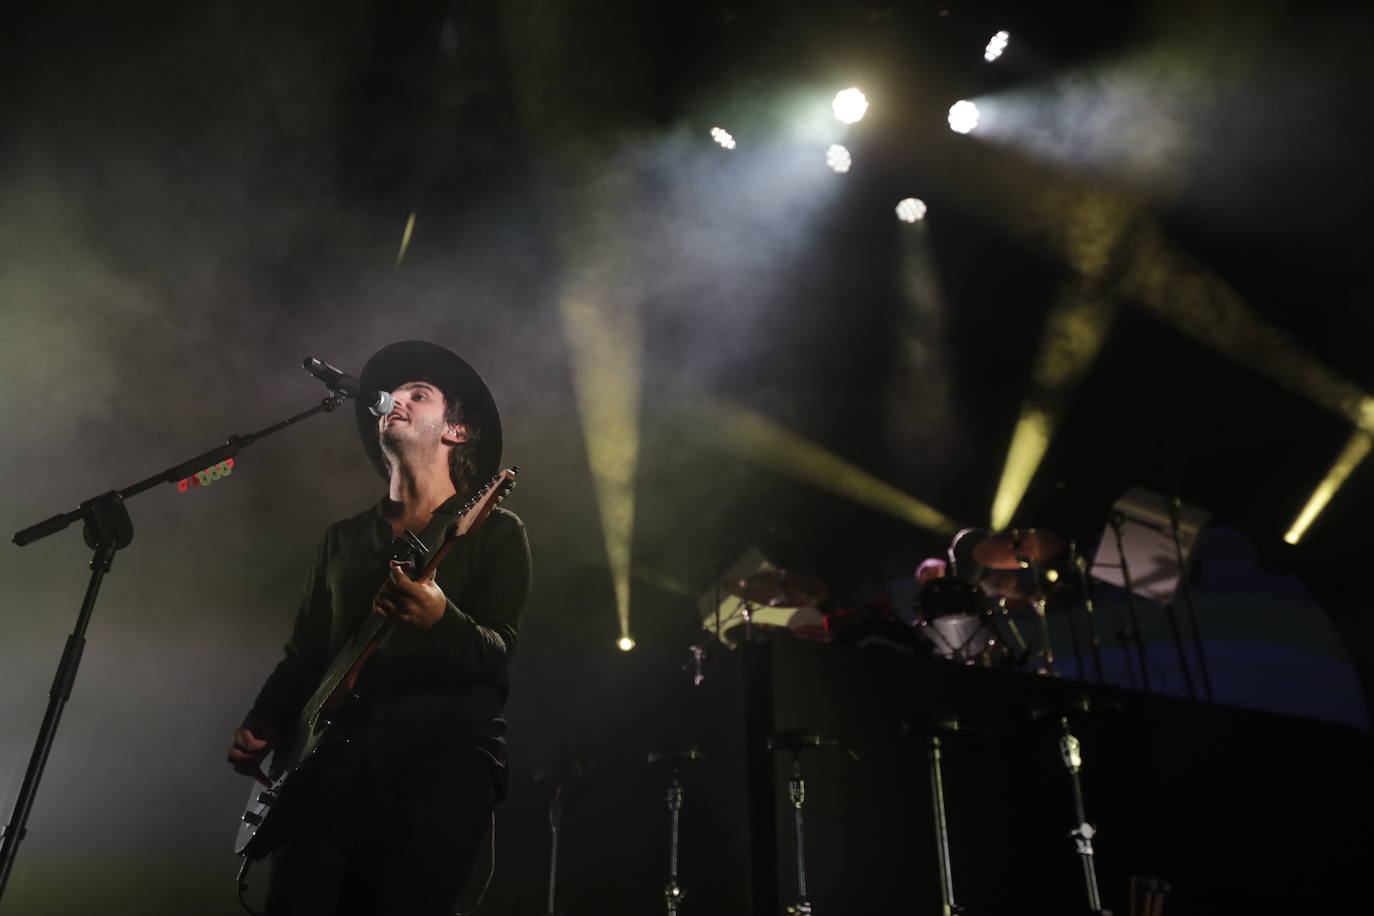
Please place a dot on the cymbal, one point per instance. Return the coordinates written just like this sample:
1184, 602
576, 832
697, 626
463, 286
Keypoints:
1018, 548
779, 588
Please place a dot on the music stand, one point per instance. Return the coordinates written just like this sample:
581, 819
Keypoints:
1147, 548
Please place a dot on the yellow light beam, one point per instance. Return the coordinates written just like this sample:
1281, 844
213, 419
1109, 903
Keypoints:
405, 238
1354, 452
762, 442
586, 192
605, 350
1073, 335
1177, 289
1029, 442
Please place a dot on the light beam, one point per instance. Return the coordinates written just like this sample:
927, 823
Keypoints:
758, 440
1354, 452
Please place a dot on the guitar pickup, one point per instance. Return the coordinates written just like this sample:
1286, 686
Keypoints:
253, 818
267, 798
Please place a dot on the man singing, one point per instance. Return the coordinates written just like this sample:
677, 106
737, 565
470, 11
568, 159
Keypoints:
395, 817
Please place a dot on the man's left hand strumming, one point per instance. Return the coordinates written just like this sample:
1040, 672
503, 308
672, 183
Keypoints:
415, 604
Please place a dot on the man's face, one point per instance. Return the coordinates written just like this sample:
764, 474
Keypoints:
417, 418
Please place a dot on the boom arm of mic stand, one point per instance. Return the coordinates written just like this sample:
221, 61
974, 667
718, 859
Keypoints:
232, 446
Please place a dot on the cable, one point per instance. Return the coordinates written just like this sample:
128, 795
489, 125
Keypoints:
491, 872
243, 887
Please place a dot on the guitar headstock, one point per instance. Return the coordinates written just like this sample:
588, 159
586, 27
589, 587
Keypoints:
476, 510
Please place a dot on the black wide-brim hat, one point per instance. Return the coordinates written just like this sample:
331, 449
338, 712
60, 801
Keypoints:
421, 361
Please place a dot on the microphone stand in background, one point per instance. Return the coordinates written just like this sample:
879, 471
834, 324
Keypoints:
107, 529
1185, 581
1136, 638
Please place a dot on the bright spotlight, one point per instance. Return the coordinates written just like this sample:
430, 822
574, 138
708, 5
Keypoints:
837, 157
996, 45
723, 137
911, 209
849, 105
625, 644
963, 116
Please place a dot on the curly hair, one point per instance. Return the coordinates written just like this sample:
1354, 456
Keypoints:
462, 461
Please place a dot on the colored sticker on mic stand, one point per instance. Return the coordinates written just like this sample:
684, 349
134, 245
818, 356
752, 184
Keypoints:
208, 476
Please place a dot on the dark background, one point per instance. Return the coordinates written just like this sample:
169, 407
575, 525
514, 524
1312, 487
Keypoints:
194, 197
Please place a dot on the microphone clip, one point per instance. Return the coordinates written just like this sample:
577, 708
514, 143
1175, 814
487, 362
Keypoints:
343, 386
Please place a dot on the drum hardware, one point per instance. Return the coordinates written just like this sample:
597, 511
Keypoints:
797, 740
779, 588
952, 615
769, 601
1019, 548
558, 775
1022, 549
1071, 755
933, 730
672, 891
1012, 594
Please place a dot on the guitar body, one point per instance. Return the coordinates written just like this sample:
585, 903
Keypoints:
273, 810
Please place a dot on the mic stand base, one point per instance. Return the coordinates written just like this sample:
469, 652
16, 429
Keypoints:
108, 528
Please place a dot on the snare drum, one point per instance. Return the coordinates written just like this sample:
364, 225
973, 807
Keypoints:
955, 618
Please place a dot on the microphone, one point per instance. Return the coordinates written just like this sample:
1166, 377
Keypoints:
378, 402
334, 379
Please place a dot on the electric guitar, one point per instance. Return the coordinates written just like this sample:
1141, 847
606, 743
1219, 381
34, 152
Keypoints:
277, 792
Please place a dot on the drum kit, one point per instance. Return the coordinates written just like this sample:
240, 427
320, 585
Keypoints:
974, 621
970, 620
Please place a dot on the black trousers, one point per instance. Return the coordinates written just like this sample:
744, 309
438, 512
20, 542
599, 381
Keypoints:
395, 821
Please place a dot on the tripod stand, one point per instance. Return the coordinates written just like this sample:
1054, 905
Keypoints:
1082, 833
933, 730
673, 893
796, 741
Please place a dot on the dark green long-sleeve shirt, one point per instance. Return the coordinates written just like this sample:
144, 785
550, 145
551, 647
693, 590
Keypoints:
450, 679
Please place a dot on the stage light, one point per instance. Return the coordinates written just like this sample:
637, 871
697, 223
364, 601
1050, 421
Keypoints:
723, 137
849, 105
625, 644
837, 157
996, 45
1354, 452
963, 116
911, 209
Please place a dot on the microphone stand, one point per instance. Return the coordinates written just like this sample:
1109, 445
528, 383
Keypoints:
1117, 521
1080, 566
1188, 601
107, 528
